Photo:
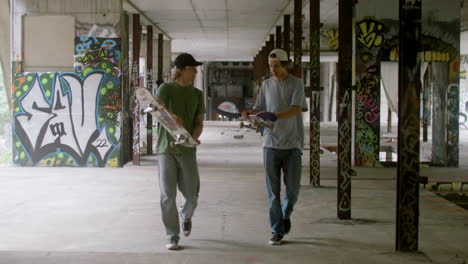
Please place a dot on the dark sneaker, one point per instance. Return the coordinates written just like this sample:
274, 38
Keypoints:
187, 227
276, 239
287, 225
172, 245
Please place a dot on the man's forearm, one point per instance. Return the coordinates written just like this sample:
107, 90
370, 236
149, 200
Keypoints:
290, 112
197, 131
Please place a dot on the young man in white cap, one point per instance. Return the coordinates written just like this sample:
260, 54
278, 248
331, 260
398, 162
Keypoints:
178, 165
281, 98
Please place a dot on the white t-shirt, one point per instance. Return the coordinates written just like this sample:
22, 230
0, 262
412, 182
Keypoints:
276, 97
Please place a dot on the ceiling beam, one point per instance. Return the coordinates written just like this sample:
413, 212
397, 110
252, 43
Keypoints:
147, 18
279, 19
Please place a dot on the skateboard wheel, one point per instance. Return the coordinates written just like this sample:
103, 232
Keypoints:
172, 144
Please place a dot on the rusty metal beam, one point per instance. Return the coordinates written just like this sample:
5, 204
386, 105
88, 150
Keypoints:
135, 82
149, 85
297, 70
287, 34
160, 59
345, 52
407, 219
314, 112
278, 37
127, 152
272, 43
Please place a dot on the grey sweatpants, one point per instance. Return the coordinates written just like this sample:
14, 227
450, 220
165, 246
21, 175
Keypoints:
177, 171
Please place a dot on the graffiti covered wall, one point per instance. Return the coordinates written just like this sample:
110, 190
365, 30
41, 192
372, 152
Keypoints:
59, 120
73, 118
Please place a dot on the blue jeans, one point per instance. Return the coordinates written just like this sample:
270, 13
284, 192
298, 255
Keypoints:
177, 171
290, 161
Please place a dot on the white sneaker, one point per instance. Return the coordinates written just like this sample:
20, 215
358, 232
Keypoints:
173, 244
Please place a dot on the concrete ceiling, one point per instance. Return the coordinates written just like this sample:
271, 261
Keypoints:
214, 30
223, 29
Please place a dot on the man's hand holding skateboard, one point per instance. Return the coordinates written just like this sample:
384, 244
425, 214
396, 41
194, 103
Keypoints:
258, 120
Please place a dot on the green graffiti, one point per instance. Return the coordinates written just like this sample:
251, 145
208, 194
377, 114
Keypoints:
57, 160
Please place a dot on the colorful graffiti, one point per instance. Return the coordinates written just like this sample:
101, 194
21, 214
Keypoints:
65, 119
368, 120
371, 37
97, 53
71, 119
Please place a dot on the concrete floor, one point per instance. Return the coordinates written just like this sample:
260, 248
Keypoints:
92, 215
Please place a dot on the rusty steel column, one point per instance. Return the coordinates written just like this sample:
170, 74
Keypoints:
272, 43
149, 85
278, 37
345, 53
256, 67
160, 59
409, 89
268, 49
297, 70
135, 82
126, 120
287, 34
314, 112
262, 64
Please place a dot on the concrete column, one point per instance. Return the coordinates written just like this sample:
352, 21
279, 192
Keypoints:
332, 108
5, 59
426, 101
407, 219
325, 87
134, 81
314, 109
149, 84
297, 70
345, 52
439, 143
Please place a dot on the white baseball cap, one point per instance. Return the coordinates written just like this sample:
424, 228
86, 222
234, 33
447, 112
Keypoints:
279, 54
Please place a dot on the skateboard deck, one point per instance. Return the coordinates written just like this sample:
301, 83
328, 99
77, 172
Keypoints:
165, 118
256, 123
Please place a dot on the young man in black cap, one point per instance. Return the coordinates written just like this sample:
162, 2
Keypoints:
178, 165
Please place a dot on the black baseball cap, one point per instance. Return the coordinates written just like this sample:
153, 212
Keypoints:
185, 59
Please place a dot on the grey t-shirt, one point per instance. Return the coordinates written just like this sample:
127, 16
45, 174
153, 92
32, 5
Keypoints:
276, 97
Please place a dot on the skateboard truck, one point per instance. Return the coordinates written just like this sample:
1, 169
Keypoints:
257, 123
149, 108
